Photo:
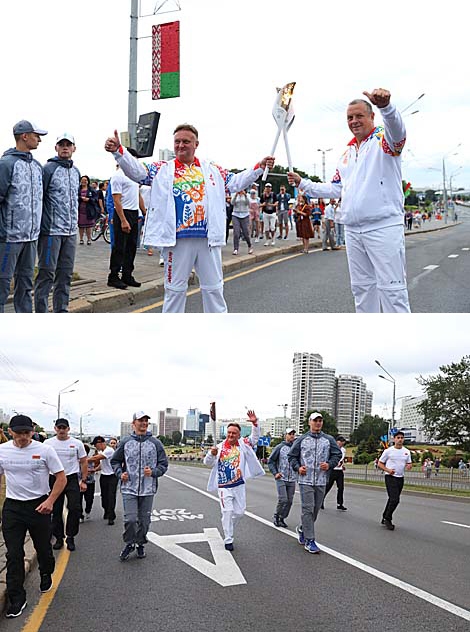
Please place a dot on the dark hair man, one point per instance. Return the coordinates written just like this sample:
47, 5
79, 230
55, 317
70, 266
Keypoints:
394, 461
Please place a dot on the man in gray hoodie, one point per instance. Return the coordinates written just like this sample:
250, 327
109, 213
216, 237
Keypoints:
58, 236
20, 215
285, 477
312, 456
138, 462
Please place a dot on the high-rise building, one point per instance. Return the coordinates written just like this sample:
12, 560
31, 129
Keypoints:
192, 420
166, 154
314, 386
411, 417
169, 422
304, 367
353, 401
276, 426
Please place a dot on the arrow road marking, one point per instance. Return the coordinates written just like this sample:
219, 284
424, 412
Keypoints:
224, 571
456, 524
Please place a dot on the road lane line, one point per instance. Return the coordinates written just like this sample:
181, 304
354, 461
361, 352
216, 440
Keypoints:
414, 282
456, 524
36, 618
389, 579
452, 256
229, 278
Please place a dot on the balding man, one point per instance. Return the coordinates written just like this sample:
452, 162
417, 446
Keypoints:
369, 182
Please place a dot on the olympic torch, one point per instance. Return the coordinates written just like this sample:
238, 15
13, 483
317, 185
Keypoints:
283, 114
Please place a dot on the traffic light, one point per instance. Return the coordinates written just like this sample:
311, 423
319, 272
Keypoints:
146, 133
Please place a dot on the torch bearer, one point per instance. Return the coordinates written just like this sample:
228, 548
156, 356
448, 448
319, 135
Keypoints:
284, 116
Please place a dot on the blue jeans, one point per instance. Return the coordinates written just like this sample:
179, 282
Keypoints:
339, 229
137, 511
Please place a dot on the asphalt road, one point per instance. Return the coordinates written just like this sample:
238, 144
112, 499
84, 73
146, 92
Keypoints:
269, 582
438, 269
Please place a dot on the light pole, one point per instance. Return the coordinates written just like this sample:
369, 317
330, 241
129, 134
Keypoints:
85, 414
391, 379
444, 188
323, 152
62, 392
284, 407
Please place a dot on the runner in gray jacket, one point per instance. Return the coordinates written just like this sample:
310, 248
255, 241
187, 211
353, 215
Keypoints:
285, 476
20, 215
57, 241
312, 456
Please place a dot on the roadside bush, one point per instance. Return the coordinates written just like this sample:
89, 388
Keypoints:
362, 458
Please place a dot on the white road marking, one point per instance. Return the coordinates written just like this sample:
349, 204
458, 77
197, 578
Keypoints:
464, 249
223, 571
456, 524
414, 282
430, 267
452, 256
398, 583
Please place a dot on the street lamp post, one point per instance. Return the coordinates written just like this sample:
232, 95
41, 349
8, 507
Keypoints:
391, 379
323, 152
85, 414
62, 392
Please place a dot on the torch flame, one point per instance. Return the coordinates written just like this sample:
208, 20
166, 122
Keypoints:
285, 95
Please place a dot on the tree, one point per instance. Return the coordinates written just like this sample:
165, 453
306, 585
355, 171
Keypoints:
329, 423
176, 437
371, 425
446, 409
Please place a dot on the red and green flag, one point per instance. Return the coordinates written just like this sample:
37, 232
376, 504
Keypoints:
166, 60
407, 189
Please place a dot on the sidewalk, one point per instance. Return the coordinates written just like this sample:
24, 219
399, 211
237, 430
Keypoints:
91, 294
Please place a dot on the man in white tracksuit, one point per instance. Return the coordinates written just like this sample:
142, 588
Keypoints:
368, 181
187, 215
232, 462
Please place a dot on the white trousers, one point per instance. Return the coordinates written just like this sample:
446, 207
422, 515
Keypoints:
376, 262
232, 505
179, 261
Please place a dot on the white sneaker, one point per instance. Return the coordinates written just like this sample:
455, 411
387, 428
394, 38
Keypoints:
273, 243
256, 240
161, 262
235, 252
266, 243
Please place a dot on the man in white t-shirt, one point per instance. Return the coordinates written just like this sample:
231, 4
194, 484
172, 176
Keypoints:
337, 476
394, 461
108, 480
28, 504
127, 201
73, 457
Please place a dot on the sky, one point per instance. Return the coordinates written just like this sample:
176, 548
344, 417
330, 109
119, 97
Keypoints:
126, 363
66, 69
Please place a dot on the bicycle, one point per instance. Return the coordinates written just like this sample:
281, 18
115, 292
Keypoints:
101, 228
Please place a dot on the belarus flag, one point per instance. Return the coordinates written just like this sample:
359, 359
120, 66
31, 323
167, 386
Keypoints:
166, 60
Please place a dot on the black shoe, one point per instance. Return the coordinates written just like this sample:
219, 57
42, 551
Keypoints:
58, 544
342, 507
15, 609
70, 543
126, 551
46, 582
110, 522
282, 523
140, 551
131, 282
388, 524
117, 283
322, 506
229, 546
276, 520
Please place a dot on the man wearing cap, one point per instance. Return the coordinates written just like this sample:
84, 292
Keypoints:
312, 455
268, 207
28, 504
108, 480
232, 462
187, 216
337, 476
285, 477
138, 462
57, 239
73, 456
394, 461
20, 215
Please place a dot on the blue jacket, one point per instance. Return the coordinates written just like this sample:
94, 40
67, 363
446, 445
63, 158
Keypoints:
61, 186
20, 196
311, 449
133, 454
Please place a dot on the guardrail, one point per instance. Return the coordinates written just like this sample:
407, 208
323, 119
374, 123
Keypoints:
451, 479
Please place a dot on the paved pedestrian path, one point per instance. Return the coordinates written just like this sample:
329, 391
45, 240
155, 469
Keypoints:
90, 293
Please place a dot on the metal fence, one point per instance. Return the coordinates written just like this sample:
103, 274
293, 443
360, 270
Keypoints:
452, 479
